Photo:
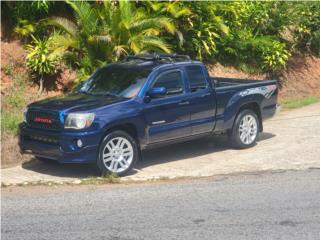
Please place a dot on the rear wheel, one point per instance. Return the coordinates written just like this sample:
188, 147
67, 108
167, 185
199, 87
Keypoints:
118, 153
245, 129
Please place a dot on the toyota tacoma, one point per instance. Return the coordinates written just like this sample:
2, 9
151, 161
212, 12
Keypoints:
142, 102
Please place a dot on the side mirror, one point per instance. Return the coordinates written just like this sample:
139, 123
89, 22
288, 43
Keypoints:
157, 92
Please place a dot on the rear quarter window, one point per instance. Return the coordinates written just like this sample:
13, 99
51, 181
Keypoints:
196, 78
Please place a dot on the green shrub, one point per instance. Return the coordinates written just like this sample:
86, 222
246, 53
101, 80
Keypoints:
24, 17
13, 104
203, 30
315, 43
10, 121
274, 56
40, 59
307, 31
24, 28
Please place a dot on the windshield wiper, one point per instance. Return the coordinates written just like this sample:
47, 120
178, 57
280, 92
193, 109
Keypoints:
109, 94
85, 92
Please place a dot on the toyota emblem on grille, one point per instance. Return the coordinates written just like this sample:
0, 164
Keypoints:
42, 120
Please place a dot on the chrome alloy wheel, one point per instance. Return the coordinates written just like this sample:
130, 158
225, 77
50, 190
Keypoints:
117, 155
248, 129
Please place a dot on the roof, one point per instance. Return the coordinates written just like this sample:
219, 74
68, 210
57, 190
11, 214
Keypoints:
151, 61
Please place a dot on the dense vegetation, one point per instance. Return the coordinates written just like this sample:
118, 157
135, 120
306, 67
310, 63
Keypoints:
253, 36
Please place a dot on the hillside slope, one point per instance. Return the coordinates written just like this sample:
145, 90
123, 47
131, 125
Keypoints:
301, 78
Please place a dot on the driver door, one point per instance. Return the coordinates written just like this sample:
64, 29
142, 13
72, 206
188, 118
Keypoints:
168, 117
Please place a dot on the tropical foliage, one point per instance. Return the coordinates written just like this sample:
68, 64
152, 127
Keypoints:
40, 59
307, 34
253, 36
99, 35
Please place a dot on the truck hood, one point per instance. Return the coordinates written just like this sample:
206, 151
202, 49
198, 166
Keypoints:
75, 102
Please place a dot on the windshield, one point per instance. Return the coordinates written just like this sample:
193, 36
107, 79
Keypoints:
117, 81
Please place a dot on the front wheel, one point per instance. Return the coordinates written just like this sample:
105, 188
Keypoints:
118, 153
245, 129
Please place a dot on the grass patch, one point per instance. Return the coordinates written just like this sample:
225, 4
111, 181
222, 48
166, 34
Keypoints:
13, 103
10, 121
106, 179
110, 178
9, 69
297, 103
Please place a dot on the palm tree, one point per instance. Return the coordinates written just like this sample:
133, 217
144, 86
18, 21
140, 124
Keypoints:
104, 34
132, 31
83, 38
174, 10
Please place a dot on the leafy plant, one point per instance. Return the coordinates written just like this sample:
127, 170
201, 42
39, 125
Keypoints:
106, 33
175, 10
24, 28
307, 33
41, 5
315, 43
205, 27
274, 56
132, 31
23, 16
40, 59
255, 41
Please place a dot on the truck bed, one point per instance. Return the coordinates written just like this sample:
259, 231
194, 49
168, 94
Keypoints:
219, 82
230, 91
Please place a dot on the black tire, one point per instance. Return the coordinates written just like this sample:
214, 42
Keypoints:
102, 168
234, 135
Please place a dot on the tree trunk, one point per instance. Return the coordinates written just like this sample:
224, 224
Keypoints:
41, 84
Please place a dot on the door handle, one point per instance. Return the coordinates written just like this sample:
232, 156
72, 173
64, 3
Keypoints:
184, 103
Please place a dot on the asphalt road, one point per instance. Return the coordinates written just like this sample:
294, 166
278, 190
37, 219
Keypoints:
281, 205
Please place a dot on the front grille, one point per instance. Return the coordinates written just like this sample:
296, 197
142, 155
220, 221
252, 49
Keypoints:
43, 120
43, 139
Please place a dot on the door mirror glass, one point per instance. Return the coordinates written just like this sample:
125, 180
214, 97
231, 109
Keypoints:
157, 92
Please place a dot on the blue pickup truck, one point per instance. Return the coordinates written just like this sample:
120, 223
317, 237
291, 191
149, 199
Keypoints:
142, 102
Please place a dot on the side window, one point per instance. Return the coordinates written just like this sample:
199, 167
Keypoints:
196, 78
172, 81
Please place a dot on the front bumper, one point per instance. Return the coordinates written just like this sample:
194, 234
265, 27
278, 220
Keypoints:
59, 146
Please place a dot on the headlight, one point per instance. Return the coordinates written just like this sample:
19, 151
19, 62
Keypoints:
25, 114
79, 120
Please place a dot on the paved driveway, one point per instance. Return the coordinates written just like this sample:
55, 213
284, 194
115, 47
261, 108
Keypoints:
291, 140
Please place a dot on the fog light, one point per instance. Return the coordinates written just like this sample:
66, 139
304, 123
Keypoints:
79, 143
